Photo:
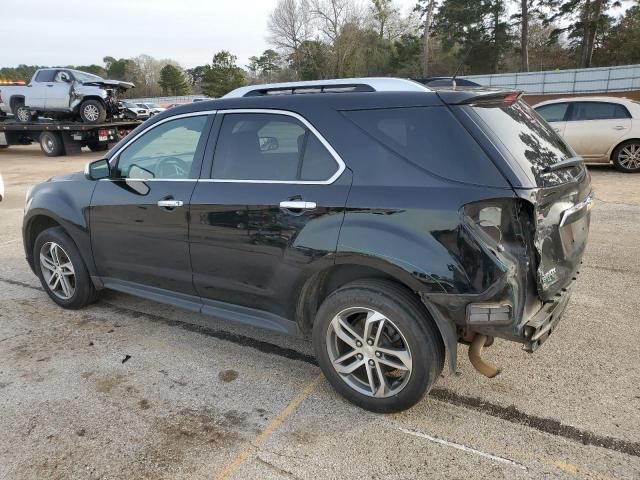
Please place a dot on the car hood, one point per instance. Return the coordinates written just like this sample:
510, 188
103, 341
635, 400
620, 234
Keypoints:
111, 83
69, 177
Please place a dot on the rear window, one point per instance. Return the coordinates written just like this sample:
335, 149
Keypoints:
431, 138
45, 76
598, 111
531, 142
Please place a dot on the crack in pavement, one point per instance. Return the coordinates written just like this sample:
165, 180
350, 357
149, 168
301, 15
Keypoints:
510, 413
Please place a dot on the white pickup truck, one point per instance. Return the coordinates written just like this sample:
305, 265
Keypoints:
63, 93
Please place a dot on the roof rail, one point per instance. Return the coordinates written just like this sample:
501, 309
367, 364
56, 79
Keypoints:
371, 84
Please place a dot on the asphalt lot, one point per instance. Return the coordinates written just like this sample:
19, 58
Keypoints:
132, 389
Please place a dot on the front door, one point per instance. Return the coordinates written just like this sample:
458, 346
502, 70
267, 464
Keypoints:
594, 127
269, 216
139, 217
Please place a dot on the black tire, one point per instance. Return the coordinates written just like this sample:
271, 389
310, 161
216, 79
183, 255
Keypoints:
84, 290
3, 146
51, 144
92, 111
23, 114
408, 316
98, 147
621, 157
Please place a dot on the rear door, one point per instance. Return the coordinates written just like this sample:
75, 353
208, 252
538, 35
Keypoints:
36, 93
269, 215
57, 93
139, 218
556, 115
594, 127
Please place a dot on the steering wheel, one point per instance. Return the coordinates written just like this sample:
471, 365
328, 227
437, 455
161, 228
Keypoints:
172, 167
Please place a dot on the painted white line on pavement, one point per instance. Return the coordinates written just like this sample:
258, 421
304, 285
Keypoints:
464, 448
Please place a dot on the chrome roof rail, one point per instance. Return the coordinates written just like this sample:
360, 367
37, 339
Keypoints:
370, 84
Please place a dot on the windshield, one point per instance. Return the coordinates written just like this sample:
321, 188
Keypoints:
141, 105
130, 105
85, 77
530, 140
153, 105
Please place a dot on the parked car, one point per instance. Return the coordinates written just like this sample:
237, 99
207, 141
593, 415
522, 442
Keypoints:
134, 112
201, 99
600, 129
386, 220
63, 93
152, 107
176, 105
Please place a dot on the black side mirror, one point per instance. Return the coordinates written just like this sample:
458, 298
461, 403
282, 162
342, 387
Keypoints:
98, 169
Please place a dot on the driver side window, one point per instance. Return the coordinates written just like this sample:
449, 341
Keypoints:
164, 152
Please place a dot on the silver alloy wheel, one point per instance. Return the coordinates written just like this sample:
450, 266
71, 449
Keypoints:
369, 352
57, 270
23, 114
91, 112
629, 156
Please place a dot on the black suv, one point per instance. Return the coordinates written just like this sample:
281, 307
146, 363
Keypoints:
387, 220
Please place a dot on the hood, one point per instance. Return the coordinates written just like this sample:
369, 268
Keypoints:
69, 177
111, 83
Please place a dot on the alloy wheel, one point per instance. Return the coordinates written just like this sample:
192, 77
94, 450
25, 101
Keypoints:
23, 114
369, 352
91, 112
57, 270
629, 156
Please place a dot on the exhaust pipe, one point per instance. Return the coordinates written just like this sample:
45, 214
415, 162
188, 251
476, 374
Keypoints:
487, 369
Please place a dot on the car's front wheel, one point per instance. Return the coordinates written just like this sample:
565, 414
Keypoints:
377, 346
61, 269
626, 156
93, 111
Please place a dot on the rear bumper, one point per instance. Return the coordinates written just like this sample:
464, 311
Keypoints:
538, 329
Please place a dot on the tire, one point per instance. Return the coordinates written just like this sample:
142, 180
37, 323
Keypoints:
79, 291
51, 144
98, 147
22, 114
626, 156
92, 111
407, 328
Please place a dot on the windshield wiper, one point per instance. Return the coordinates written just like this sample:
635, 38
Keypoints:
569, 162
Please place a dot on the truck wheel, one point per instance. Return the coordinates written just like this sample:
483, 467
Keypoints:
51, 144
377, 346
98, 147
93, 111
23, 114
626, 157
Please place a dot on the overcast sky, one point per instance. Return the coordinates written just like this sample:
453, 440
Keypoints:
75, 32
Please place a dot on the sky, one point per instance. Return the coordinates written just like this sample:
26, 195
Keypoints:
77, 32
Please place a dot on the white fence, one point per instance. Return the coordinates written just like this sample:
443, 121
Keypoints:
579, 80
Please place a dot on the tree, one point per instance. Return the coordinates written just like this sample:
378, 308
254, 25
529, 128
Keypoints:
172, 81
427, 8
223, 75
289, 27
620, 46
382, 11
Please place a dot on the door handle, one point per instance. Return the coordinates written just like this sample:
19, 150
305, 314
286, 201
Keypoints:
170, 203
618, 127
297, 205
49, 86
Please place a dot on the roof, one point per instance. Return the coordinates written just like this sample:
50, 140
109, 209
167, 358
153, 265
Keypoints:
621, 100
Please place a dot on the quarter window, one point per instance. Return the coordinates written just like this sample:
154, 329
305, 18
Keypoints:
598, 111
164, 152
270, 147
553, 113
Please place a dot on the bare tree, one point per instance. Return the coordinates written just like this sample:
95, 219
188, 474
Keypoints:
428, 8
524, 35
289, 27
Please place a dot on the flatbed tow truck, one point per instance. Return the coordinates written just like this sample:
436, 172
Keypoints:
58, 137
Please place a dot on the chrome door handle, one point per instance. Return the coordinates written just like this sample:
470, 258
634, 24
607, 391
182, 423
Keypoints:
297, 205
170, 203
618, 127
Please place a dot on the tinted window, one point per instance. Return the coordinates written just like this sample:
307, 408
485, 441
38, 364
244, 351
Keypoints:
271, 147
166, 151
45, 76
429, 137
554, 112
533, 144
598, 111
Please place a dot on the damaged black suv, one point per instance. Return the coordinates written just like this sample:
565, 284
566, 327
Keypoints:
387, 220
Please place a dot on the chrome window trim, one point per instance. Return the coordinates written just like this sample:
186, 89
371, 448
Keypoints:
151, 127
336, 157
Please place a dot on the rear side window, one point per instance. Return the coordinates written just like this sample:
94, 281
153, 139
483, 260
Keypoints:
270, 147
429, 137
553, 113
45, 76
598, 111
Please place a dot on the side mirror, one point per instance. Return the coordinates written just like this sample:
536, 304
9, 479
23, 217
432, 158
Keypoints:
98, 169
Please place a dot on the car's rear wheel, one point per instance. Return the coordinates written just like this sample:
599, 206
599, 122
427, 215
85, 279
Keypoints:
61, 270
626, 156
93, 111
51, 144
23, 114
377, 346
